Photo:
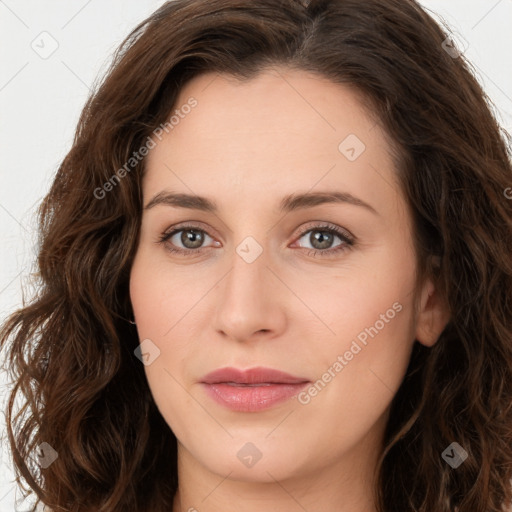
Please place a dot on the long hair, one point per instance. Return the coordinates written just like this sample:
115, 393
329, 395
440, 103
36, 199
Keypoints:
70, 350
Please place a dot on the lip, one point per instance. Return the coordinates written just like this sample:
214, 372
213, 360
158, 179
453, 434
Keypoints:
251, 390
258, 375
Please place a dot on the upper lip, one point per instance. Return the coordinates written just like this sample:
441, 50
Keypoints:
259, 375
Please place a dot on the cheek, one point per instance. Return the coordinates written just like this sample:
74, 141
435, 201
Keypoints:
359, 369
369, 310
157, 296
155, 309
166, 307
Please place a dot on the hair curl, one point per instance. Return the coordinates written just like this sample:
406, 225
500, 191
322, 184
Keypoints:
71, 354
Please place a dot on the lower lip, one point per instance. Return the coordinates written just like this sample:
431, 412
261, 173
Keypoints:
252, 398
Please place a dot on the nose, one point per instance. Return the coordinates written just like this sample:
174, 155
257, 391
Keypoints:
251, 302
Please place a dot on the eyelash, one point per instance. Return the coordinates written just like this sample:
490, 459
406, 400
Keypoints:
348, 241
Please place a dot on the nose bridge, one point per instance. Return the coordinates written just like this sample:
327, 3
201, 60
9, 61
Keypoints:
248, 301
248, 270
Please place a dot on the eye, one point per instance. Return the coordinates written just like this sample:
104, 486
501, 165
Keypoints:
191, 237
321, 238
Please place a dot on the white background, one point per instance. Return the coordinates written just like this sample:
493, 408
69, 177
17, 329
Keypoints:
41, 99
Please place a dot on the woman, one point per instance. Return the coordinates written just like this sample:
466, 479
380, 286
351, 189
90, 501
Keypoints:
276, 273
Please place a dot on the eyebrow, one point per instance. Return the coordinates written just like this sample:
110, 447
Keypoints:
289, 203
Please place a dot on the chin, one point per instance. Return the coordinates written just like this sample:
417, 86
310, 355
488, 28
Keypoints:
251, 458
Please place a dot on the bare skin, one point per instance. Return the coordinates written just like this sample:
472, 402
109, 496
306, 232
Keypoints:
246, 146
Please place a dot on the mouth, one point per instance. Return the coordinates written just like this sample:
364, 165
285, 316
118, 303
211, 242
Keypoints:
251, 390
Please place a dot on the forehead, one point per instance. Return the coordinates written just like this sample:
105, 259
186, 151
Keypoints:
281, 131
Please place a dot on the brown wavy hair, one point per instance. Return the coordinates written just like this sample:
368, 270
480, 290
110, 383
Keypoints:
70, 351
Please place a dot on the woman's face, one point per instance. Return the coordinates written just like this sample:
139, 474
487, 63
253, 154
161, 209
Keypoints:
287, 159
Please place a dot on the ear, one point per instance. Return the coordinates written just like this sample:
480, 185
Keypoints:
432, 316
